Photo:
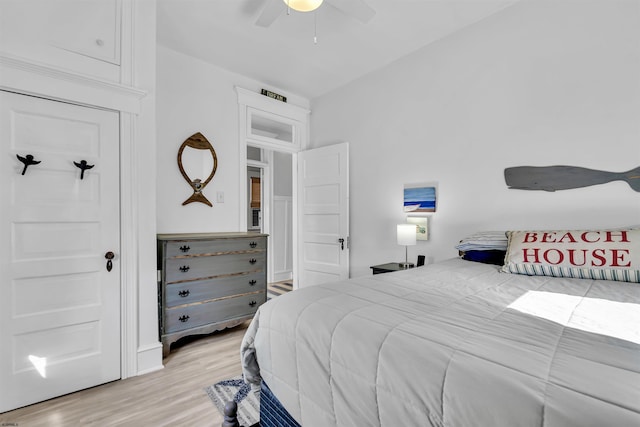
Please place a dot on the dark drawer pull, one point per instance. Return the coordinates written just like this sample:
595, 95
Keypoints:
253, 261
184, 293
252, 303
253, 244
185, 248
252, 282
183, 318
184, 268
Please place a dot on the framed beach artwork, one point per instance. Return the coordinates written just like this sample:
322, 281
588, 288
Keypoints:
419, 198
422, 226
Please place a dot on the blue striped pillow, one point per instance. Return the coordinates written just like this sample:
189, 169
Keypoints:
586, 254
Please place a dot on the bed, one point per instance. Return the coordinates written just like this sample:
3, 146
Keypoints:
455, 343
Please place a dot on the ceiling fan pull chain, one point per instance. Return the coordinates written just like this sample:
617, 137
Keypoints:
288, 8
315, 27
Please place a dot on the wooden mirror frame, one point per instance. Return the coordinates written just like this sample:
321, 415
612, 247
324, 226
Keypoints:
199, 142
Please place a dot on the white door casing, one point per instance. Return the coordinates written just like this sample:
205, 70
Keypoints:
275, 126
60, 310
323, 214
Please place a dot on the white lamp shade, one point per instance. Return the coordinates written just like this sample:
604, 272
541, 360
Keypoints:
406, 234
303, 5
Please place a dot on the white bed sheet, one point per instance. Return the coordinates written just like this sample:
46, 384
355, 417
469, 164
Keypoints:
456, 343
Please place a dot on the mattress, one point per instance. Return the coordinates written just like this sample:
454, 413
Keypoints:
455, 343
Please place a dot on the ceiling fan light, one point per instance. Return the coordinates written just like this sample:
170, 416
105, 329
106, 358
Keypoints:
303, 5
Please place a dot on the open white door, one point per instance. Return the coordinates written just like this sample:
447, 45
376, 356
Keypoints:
323, 215
60, 305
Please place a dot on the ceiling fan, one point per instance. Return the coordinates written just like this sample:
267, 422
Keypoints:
357, 9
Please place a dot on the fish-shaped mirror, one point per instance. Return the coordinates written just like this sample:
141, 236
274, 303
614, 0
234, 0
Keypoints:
196, 158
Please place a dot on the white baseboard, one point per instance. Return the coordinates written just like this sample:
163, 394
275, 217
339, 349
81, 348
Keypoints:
149, 359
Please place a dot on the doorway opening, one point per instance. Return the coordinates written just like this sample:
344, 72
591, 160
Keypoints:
270, 211
254, 215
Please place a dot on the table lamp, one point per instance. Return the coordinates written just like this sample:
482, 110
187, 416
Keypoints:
406, 237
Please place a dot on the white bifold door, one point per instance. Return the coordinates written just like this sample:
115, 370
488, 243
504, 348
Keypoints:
323, 214
59, 249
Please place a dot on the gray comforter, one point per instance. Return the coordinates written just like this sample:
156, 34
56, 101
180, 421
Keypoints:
455, 343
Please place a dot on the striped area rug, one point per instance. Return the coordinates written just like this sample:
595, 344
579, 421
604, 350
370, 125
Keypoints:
236, 389
278, 288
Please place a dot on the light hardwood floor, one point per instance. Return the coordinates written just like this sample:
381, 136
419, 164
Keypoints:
173, 396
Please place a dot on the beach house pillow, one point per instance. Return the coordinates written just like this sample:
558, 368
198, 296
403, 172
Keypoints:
588, 254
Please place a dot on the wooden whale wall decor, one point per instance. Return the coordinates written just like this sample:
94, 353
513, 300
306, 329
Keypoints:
552, 178
197, 141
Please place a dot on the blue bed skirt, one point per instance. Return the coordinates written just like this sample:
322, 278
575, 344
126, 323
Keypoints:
272, 413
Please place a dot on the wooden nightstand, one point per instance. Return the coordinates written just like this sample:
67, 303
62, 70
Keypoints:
388, 268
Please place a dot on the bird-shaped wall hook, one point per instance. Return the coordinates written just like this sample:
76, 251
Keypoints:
83, 167
28, 161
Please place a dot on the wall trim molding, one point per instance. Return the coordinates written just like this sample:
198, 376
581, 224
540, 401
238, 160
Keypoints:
256, 100
128, 248
33, 78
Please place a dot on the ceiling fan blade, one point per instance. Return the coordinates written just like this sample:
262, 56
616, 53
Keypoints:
357, 9
272, 9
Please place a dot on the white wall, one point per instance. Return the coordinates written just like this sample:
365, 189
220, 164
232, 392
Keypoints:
540, 83
194, 96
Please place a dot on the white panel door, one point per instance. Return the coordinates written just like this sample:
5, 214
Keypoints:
60, 307
323, 214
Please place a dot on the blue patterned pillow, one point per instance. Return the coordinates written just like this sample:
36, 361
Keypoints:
495, 257
587, 254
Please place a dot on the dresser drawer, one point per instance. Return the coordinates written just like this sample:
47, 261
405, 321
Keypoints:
197, 247
191, 268
203, 290
191, 316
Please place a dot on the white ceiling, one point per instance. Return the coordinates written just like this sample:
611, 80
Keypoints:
223, 32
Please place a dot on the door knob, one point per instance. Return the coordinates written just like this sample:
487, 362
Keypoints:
109, 256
